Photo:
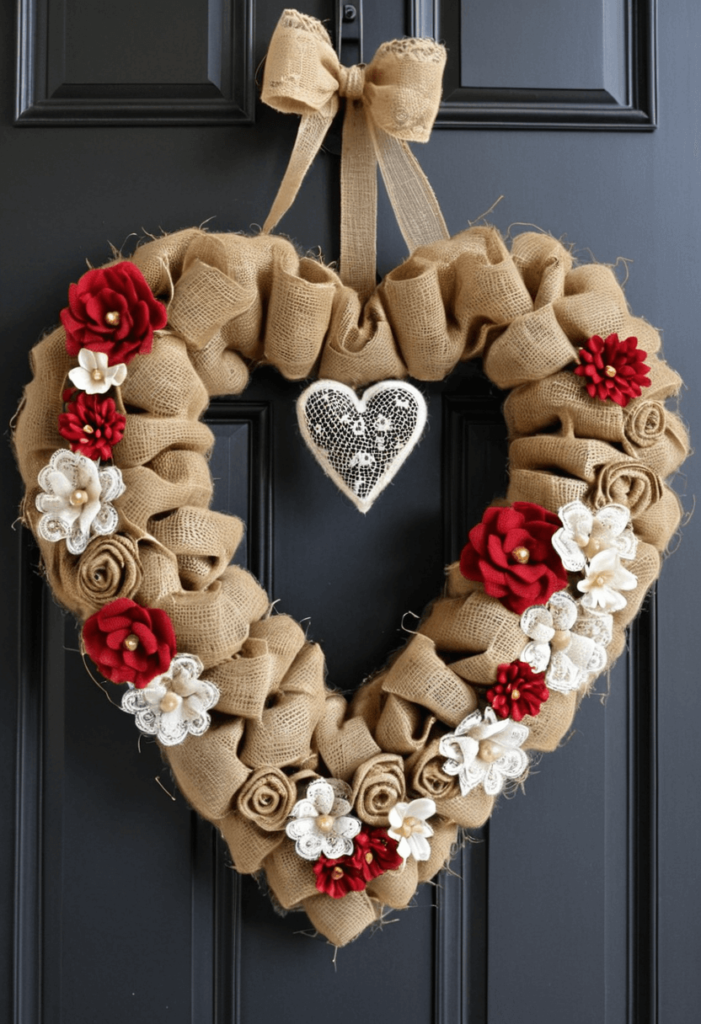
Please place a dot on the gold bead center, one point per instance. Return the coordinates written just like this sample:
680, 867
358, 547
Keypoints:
521, 555
113, 318
600, 581
87, 429
78, 497
516, 695
97, 374
337, 872
490, 751
610, 371
369, 858
131, 642
561, 639
170, 701
324, 822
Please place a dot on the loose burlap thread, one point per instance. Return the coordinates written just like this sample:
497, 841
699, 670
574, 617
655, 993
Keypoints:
234, 300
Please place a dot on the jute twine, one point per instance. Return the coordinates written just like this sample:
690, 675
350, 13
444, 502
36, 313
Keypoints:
234, 300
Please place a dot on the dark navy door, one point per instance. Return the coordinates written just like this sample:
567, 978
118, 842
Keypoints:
579, 903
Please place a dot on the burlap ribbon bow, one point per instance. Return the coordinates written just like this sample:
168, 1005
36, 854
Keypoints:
393, 99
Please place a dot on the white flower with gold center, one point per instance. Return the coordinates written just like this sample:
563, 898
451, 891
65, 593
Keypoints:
322, 823
174, 704
94, 374
585, 533
76, 499
408, 825
485, 751
604, 580
560, 644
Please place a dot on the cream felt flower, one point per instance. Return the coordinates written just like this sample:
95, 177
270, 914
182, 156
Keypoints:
322, 823
94, 374
559, 646
585, 533
76, 499
485, 751
408, 825
175, 703
605, 578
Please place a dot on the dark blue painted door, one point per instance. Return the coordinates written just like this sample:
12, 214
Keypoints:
579, 903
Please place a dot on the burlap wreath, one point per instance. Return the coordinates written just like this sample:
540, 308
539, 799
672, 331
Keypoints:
233, 301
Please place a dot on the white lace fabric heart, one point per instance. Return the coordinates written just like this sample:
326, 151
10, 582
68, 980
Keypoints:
361, 443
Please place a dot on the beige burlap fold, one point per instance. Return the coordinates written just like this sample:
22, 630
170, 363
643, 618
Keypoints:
234, 301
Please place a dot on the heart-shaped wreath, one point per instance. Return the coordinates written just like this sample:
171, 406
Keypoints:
346, 807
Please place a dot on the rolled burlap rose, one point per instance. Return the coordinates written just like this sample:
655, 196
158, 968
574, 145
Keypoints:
426, 776
378, 784
109, 569
645, 423
627, 483
267, 798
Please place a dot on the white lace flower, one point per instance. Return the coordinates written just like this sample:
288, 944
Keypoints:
559, 644
485, 751
322, 823
604, 580
408, 825
94, 374
174, 703
76, 499
586, 533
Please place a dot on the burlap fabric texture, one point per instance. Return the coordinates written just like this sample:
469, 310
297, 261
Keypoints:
233, 301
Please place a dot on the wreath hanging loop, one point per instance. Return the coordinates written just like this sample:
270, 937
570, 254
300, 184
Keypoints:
346, 806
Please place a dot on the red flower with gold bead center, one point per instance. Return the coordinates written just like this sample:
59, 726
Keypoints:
518, 691
511, 552
91, 424
375, 852
129, 643
338, 876
613, 368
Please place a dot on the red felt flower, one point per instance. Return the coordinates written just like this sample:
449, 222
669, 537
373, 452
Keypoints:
375, 852
613, 368
112, 310
519, 691
91, 424
128, 643
511, 552
338, 876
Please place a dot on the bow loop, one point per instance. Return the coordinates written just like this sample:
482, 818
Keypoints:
393, 100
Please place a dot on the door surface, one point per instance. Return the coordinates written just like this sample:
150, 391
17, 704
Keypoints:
579, 902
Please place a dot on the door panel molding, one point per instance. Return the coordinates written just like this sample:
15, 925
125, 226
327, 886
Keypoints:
218, 87
623, 98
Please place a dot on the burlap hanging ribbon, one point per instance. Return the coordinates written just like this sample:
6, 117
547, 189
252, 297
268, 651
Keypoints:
392, 100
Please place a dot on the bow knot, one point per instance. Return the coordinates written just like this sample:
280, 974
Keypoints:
400, 92
351, 81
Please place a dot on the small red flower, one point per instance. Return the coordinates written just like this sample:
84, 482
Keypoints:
375, 852
338, 876
112, 310
511, 552
128, 643
91, 424
613, 368
519, 691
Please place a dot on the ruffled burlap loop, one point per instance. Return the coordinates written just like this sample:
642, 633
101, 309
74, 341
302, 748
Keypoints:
470, 811
341, 924
420, 676
548, 728
378, 785
203, 541
208, 768
343, 743
283, 734
396, 888
402, 727
443, 841
544, 264
248, 844
531, 347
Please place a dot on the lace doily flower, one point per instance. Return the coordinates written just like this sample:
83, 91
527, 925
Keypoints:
585, 533
76, 500
562, 643
518, 691
613, 368
322, 823
175, 703
605, 578
484, 751
94, 375
91, 425
410, 827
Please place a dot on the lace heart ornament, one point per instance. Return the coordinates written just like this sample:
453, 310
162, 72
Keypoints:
361, 442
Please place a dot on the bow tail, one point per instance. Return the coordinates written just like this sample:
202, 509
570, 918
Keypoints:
413, 200
358, 203
310, 135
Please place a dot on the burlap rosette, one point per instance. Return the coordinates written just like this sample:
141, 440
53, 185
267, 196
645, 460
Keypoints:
232, 301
